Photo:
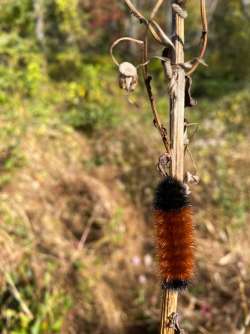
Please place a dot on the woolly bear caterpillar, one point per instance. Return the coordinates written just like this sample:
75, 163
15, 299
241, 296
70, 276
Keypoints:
174, 233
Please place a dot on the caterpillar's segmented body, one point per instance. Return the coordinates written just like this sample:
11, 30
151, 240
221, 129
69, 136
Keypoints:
174, 233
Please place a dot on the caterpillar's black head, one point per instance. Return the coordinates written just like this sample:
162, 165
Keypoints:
171, 195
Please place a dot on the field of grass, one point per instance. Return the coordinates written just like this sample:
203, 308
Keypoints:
77, 233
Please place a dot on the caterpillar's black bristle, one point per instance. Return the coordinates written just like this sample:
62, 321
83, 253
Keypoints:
171, 195
176, 285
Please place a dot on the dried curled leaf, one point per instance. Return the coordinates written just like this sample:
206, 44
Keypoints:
190, 178
189, 100
163, 163
128, 77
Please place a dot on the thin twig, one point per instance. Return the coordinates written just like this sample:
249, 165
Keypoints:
118, 41
84, 236
136, 12
192, 159
165, 40
156, 9
147, 81
157, 36
157, 121
204, 37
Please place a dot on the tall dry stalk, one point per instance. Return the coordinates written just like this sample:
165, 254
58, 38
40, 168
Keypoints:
178, 73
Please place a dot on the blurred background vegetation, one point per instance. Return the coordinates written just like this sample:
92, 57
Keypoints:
77, 172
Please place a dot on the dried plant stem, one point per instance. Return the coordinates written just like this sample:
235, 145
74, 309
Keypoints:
175, 67
147, 81
204, 36
118, 41
169, 306
156, 8
176, 121
18, 297
157, 33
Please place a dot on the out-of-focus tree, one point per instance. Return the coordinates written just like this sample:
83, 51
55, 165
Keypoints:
231, 40
39, 17
68, 34
229, 48
246, 7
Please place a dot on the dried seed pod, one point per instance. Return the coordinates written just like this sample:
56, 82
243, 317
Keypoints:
128, 76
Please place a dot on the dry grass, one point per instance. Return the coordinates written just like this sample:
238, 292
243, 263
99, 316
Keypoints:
87, 225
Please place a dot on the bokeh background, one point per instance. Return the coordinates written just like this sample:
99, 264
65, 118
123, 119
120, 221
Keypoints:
77, 171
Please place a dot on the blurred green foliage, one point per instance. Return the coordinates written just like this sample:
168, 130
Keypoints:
228, 51
52, 64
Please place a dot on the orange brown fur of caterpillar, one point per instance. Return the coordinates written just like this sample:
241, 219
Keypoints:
174, 233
